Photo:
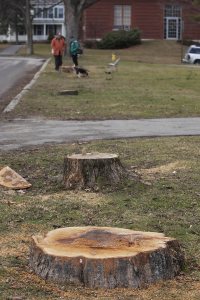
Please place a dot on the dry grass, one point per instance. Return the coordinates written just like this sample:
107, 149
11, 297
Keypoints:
150, 82
163, 197
3, 46
168, 202
163, 170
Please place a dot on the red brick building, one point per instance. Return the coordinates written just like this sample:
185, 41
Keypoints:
157, 19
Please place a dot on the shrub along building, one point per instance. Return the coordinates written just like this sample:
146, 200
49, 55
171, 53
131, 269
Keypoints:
156, 19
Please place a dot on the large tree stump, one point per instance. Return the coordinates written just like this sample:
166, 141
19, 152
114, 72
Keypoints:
92, 170
105, 257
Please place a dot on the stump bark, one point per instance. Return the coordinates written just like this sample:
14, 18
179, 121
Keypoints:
92, 170
105, 257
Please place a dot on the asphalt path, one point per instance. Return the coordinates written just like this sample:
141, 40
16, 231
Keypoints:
13, 69
18, 133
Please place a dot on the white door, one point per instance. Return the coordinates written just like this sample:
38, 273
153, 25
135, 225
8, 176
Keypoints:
172, 28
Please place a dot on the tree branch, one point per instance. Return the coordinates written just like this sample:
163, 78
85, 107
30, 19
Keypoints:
80, 5
88, 3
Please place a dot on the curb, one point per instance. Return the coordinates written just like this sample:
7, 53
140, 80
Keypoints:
17, 98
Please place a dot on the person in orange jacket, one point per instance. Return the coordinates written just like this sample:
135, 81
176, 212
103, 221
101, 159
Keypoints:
58, 47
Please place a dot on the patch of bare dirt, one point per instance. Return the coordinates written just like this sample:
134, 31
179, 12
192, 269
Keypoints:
160, 171
77, 196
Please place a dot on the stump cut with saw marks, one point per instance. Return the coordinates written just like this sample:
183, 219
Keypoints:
105, 257
91, 170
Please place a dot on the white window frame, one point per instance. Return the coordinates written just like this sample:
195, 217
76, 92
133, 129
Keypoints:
38, 9
50, 13
56, 12
36, 29
122, 17
173, 12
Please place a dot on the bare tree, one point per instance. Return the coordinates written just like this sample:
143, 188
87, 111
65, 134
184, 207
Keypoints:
12, 15
196, 4
17, 12
29, 28
73, 13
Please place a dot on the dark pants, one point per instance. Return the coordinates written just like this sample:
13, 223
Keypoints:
75, 59
58, 61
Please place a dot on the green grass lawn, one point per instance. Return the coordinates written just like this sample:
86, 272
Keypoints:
150, 82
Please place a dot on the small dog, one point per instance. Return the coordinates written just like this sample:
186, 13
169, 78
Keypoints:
81, 72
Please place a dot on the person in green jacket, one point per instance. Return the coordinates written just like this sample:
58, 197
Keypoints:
74, 49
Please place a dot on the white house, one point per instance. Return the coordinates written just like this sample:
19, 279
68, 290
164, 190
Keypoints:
48, 19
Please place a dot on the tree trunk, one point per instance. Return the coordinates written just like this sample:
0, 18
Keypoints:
29, 29
105, 257
16, 30
92, 170
72, 20
73, 14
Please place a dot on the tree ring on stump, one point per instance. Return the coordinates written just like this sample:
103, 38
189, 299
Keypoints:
92, 170
105, 257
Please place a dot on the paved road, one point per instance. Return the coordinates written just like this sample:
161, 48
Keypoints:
10, 50
19, 133
12, 69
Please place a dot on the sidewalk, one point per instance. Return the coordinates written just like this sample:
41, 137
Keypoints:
20, 133
10, 50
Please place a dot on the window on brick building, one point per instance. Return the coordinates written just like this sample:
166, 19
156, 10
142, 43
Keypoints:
172, 22
172, 11
122, 17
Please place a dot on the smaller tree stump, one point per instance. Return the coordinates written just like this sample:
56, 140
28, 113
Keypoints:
92, 170
105, 257
68, 92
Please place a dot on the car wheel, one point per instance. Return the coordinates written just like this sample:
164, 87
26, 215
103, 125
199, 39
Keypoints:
197, 62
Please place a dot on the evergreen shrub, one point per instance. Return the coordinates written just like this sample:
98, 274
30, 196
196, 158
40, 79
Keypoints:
120, 39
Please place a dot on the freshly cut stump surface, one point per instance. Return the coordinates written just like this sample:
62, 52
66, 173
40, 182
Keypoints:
105, 257
91, 170
10, 179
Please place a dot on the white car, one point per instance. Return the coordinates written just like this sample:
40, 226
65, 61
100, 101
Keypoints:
192, 55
